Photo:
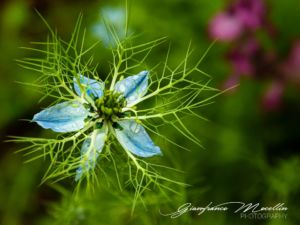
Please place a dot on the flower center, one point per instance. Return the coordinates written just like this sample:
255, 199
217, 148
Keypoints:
109, 106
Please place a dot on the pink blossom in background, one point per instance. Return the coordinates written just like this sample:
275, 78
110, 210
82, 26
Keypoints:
242, 57
242, 16
241, 63
250, 46
231, 83
273, 96
248, 56
291, 67
251, 13
225, 27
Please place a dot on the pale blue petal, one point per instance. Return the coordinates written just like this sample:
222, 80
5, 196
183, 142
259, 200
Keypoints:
133, 87
90, 150
63, 117
92, 87
134, 138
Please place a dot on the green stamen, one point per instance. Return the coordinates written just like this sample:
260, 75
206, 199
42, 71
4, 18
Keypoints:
110, 105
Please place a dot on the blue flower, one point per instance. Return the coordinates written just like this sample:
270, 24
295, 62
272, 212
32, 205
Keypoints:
108, 110
112, 25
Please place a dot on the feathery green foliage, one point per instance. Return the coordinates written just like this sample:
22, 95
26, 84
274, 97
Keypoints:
174, 93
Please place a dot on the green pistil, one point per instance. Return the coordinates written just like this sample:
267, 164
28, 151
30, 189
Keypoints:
110, 105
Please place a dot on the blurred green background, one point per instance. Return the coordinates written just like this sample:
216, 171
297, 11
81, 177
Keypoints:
251, 152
